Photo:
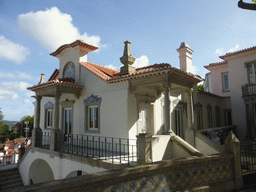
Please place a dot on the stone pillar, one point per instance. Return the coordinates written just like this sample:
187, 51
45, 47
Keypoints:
167, 123
144, 148
37, 131
233, 145
189, 133
56, 134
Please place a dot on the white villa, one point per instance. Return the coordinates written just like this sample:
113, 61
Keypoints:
133, 115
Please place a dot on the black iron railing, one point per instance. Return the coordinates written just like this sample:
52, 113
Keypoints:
116, 150
249, 89
9, 158
248, 158
46, 140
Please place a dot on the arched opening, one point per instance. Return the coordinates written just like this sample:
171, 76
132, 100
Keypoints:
69, 71
76, 173
39, 172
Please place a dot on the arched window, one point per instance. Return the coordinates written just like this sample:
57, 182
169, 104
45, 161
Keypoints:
69, 71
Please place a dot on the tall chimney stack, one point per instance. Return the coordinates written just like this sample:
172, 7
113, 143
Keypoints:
185, 57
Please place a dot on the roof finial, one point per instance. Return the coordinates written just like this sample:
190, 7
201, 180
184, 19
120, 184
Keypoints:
127, 59
42, 80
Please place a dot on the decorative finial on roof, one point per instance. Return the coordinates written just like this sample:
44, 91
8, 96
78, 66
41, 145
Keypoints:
42, 80
127, 59
184, 44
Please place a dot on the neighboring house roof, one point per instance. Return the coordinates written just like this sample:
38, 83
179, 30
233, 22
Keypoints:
238, 52
74, 44
211, 94
216, 64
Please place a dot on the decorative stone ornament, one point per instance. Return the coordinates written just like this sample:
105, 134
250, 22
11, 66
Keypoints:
49, 105
93, 99
127, 59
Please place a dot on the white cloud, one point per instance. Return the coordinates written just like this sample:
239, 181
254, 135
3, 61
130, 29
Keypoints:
111, 66
26, 101
14, 86
219, 51
16, 75
15, 96
29, 94
11, 51
234, 48
52, 28
6, 94
141, 62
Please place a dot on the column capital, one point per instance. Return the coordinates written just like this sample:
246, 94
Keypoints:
166, 85
190, 91
38, 97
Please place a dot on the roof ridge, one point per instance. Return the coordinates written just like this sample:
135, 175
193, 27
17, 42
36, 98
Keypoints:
238, 52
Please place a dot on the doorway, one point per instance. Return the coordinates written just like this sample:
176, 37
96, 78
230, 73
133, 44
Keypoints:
67, 124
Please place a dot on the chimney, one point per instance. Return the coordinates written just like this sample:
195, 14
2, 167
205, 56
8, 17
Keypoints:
42, 80
185, 57
127, 59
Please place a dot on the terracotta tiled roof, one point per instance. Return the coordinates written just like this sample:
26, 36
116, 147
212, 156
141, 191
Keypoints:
62, 82
74, 44
238, 52
156, 69
104, 73
54, 75
216, 64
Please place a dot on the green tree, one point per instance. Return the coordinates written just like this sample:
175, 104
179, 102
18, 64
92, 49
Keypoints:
200, 87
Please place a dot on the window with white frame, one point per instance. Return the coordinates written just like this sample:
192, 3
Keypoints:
225, 82
69, 71
93, 117
92, 114
48, 114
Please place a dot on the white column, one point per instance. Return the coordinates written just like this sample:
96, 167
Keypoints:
56, 110
37, 131
38, 109
167, 125
189, 133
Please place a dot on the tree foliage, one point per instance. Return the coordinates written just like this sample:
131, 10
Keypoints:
200, 87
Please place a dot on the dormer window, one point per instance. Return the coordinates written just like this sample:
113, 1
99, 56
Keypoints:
69, 71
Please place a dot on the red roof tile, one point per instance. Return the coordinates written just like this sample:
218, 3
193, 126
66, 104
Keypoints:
216, 64
238, 52
74, 44
54, 75
102, 72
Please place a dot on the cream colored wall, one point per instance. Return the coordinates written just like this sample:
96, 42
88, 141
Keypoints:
238, 77
216, 80
59, 165
213, 101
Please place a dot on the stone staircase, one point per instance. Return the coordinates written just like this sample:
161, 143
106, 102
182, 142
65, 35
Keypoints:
10, 179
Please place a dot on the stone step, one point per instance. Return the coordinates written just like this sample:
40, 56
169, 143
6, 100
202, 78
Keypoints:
8, 172
13, 186
9, 178
11, 183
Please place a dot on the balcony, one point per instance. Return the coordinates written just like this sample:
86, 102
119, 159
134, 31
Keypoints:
114, 150
249, 90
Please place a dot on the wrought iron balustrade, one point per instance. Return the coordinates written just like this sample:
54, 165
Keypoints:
248, 158
116, 150
249, 89
46, 140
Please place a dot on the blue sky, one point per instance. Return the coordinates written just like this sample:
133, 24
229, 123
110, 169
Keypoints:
31, 29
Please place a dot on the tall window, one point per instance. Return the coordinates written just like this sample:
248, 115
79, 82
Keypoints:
251, 68
48, 114
199, 115
93, 117
92, 114
217, 116
209, 115
69, 71
225, 83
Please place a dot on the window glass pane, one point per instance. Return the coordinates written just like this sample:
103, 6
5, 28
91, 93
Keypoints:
91, 117
251, 74
226, 81
96, 117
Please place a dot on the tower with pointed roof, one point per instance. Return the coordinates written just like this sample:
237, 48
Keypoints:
185, 53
